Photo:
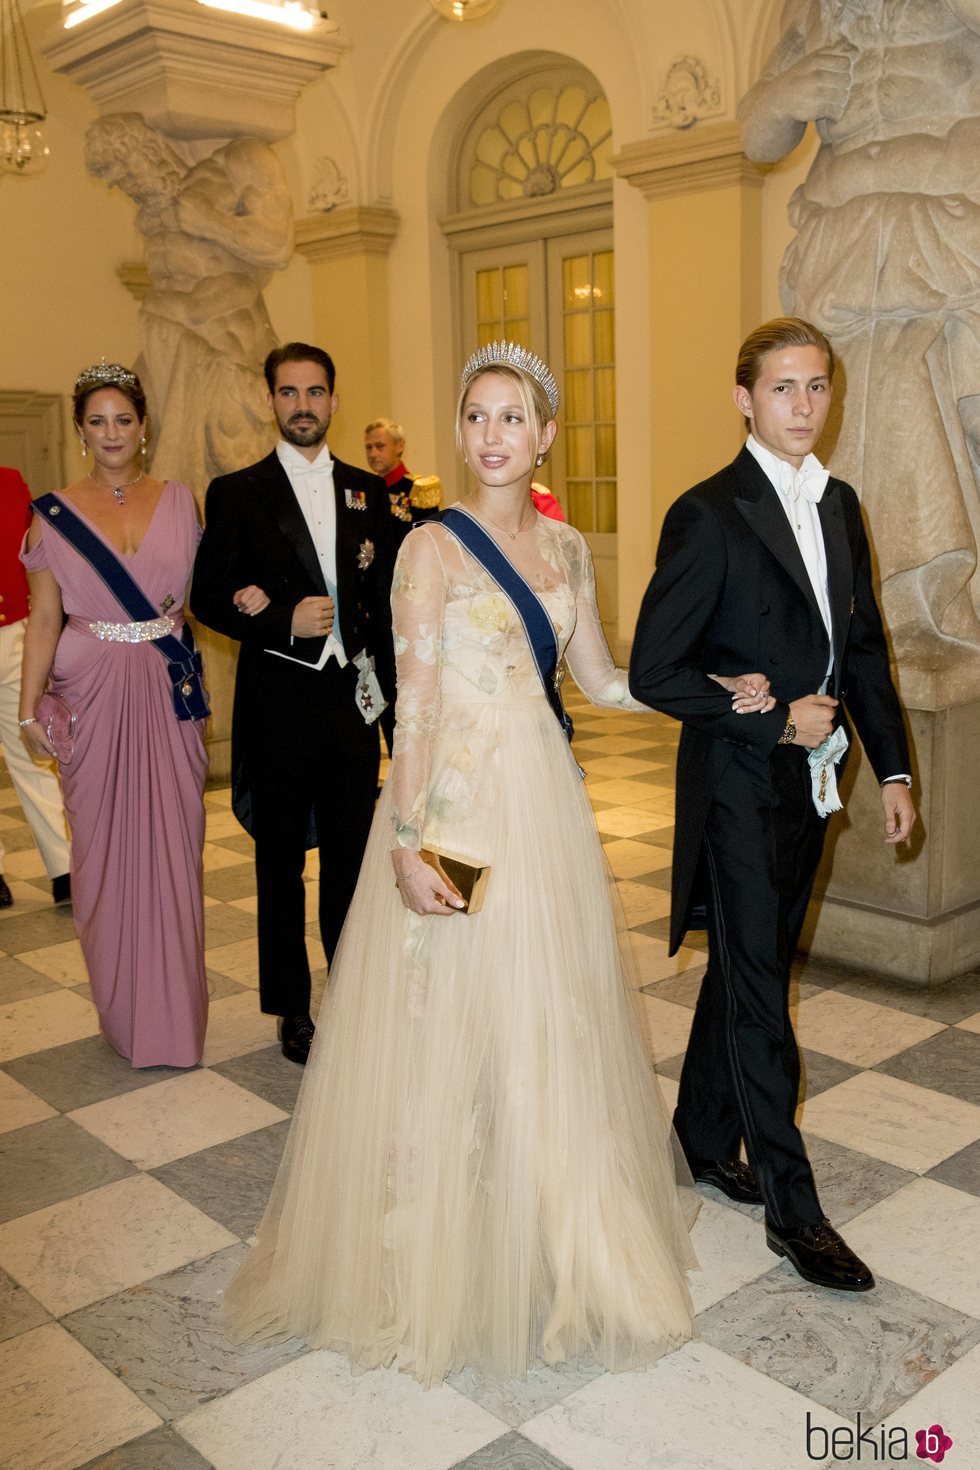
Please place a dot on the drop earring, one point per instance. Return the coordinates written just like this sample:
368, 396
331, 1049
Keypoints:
540, 460
143, 444
83, 447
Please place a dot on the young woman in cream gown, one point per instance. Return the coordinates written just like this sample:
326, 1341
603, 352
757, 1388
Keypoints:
481, 1168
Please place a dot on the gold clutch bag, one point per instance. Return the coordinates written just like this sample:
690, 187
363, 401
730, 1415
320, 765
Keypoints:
470, 878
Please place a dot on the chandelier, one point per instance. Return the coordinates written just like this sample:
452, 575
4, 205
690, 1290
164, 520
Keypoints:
22, 110
462, 9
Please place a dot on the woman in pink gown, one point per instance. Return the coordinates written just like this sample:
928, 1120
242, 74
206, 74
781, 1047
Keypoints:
133, 785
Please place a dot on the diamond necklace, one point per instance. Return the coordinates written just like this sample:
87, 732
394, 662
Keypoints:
118, 491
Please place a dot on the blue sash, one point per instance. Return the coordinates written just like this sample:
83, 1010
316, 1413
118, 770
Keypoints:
183, 660
528, 606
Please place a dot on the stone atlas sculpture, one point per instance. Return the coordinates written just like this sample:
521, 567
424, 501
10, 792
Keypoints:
215, 231
886, 260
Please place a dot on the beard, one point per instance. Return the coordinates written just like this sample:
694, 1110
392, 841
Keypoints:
303, 432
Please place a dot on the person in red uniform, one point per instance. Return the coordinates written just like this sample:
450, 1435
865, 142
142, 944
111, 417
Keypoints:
36, 784
545, 503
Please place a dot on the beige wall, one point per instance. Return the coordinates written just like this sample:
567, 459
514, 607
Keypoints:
704, 266
62, 234
349, 305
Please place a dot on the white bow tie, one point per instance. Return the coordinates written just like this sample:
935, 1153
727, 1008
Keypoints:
808, 482
310, 469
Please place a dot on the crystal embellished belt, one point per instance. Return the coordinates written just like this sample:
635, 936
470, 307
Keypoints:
133, 632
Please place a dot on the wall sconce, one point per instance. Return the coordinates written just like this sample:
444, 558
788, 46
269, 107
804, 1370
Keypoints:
22, 109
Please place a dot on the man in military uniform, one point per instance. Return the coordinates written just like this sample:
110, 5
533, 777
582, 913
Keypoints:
413, 498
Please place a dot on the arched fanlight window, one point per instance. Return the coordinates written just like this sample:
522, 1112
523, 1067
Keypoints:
535, 139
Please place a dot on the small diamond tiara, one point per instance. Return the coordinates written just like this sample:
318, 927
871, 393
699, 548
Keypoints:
106, 372
511, 354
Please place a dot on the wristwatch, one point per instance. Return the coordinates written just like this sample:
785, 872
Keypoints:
789, 734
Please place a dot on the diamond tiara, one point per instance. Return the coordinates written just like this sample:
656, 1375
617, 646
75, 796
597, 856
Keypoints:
511, 354
106, 372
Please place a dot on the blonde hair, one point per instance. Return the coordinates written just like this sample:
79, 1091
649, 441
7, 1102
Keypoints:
387, 426
775, 336
534, 401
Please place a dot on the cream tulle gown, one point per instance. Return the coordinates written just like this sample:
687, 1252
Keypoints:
480, 1169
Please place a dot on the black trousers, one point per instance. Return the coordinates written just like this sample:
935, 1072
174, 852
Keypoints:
741, 1077
309, 752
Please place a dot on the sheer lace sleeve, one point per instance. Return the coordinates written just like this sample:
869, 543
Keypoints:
587, 652
418, 596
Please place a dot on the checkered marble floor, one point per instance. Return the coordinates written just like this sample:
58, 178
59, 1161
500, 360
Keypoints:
127, 1198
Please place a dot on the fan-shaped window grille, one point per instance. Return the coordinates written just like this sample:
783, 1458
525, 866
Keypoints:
555, 136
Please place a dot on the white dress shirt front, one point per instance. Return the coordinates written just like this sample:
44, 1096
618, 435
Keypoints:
800, 492
312, 484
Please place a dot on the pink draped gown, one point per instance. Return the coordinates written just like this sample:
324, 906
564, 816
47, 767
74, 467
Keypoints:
133, 795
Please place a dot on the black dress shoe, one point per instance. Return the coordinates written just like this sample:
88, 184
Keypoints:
731, 1176
6, 897
61, 888
296, 1034
821, 1256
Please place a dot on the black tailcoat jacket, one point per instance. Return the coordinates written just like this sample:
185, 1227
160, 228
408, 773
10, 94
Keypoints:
731, 595
255, 532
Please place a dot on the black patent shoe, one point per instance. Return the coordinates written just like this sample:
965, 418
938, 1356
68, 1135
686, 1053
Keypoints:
61, 888
6, 897
296, 1034
820, 1255
733, 1177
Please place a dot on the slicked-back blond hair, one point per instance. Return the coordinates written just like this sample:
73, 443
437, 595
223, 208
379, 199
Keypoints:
776, 336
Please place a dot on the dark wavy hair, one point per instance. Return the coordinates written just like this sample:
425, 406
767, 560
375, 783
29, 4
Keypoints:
298, 352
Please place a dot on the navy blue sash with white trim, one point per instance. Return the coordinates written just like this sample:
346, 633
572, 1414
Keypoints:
529, 608
183, 660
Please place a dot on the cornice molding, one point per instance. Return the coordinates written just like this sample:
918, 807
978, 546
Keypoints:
192, 71
20, 400
355, 230
537, 218
705, 156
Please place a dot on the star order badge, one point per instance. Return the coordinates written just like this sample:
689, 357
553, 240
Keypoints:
365, 555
